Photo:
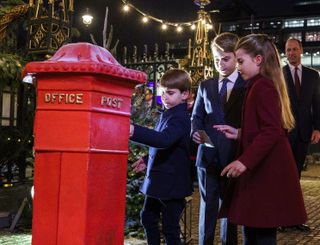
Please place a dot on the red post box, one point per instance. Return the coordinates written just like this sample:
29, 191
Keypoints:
81, 146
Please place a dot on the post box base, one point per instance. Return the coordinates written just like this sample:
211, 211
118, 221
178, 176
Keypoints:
79, 198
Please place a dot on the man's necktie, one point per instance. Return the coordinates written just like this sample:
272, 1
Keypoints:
223, 91
297, 81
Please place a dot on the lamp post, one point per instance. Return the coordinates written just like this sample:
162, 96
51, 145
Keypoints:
201, 66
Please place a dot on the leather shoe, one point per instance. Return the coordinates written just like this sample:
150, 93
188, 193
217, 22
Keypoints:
302, 227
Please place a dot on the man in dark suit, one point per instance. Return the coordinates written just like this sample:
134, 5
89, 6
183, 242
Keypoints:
304, 93
219, 101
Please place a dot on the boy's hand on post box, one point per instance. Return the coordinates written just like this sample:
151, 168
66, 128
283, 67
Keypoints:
139, 166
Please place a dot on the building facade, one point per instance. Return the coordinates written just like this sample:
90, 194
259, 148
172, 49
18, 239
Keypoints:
306, 29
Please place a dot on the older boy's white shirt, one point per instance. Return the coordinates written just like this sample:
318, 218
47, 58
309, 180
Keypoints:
292, 70
232, 78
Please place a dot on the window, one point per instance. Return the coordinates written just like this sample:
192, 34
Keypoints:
306, 2
311, 58
313, 22
229, 28
250, 26
296, 35
312, 36
8, 107
293, 23
306, 59
316, 59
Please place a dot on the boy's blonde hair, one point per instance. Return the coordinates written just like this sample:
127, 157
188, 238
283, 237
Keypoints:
270, 67
177, 79
225, 42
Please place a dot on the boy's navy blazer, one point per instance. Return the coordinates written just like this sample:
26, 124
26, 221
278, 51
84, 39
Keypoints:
168, 173
208, 111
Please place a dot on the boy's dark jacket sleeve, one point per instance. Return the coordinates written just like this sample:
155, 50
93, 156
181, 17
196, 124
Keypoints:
162, 140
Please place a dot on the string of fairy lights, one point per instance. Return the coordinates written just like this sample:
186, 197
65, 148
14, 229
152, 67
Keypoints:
165, 24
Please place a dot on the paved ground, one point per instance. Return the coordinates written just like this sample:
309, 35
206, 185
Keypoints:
311, 188
310, 184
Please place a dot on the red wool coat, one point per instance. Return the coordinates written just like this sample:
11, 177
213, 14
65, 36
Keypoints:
268, 193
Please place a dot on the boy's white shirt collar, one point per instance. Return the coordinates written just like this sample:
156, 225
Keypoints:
232, 77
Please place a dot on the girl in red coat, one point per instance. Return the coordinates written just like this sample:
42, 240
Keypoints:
265, 191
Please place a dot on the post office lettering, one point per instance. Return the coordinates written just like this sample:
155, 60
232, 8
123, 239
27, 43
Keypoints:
63, 98
111, 102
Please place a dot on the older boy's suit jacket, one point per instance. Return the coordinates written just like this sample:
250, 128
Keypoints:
168, 173
208, 112
306, 110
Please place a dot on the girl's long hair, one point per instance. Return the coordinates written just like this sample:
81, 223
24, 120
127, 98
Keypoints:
270, 67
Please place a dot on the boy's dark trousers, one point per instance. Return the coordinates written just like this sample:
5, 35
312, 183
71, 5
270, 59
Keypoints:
171, 211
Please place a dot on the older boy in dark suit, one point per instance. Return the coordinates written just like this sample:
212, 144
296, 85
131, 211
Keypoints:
219, 100
168, 176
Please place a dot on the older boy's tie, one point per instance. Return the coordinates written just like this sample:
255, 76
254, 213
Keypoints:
297, 81
223, 91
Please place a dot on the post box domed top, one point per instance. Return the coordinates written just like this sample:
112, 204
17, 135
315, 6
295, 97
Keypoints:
84, 58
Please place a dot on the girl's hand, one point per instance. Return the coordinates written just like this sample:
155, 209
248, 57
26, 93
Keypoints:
315, 137
234, 169
229, 132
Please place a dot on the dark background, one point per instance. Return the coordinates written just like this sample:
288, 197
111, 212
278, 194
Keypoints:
130, 31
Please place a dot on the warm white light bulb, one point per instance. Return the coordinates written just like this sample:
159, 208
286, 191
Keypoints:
126, 8
179, 29
164, 27
193, 27
145, 19
87, 19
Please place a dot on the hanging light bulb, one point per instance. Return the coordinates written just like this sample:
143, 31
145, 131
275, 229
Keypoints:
126, 8
87, 18
145, 19
164, 27
193, 27
179, 29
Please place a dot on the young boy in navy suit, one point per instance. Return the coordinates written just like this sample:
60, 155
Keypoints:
168, 176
